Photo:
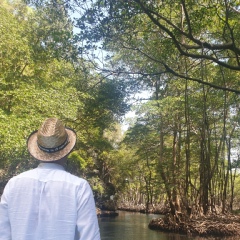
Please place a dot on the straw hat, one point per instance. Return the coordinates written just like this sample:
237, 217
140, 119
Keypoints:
52, 141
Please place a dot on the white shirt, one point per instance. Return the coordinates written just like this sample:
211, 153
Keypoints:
48, 203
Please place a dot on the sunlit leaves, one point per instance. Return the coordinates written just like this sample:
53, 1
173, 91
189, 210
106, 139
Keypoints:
35, 82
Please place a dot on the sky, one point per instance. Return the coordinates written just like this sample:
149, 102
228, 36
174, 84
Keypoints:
131, 115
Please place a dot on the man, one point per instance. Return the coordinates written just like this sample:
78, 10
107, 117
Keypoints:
48, 202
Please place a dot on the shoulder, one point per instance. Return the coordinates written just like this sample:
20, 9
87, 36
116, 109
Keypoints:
15, 179
81, 186
75, 179
30, 172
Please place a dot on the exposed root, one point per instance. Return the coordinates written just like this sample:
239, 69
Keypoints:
214, 225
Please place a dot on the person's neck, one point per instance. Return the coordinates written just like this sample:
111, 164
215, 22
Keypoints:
62, 162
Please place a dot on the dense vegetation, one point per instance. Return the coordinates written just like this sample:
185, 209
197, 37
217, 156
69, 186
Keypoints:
42, 74
185, 141
183, 147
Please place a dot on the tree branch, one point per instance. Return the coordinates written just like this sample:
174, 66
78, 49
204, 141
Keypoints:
200, 45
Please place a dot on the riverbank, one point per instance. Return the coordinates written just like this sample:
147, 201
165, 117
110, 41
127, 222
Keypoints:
205, 226
156, 209
105, 213
218, 225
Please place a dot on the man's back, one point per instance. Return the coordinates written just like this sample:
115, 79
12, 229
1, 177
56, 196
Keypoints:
48, 203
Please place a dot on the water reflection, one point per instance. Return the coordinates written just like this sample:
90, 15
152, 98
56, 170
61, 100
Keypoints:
133, 226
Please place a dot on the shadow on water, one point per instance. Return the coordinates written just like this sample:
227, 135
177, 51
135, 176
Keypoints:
134, 226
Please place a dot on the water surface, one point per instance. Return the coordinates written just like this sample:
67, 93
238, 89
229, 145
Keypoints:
133, 226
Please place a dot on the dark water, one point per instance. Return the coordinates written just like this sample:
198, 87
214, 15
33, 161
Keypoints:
133, 226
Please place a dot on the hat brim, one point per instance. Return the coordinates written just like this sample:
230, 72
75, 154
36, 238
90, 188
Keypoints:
40, 155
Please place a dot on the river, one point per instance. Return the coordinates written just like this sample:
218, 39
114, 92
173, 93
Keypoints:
134, 226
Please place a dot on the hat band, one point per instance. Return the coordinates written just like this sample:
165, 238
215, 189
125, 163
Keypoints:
55, 149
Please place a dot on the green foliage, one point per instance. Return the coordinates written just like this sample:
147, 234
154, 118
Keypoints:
150, 38
99, 188
35, 82
108, 104
74, 157
185, 52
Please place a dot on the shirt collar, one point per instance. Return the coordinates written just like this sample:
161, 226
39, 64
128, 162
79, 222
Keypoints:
50, 166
